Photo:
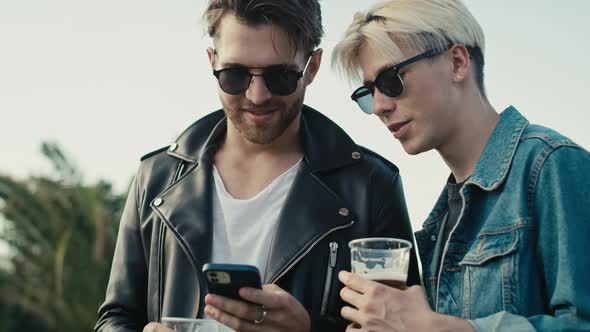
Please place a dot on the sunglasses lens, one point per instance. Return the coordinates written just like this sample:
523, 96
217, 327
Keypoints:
281, 81
234, 81
366, 104
390, 83
363, 96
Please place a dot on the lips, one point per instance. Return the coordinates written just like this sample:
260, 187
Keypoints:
399, 129
260, 115
260, 111
396, 126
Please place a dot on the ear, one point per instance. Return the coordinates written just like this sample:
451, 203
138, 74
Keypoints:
211, 55
313, 66
461, 63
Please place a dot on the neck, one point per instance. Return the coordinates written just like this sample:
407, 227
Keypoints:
247, 168
467, 141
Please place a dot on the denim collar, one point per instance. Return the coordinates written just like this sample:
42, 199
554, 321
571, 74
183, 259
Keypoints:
494, 163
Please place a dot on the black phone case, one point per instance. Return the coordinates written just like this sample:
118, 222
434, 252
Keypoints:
238, 279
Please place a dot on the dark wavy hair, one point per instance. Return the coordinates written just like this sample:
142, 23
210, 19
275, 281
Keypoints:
301, 19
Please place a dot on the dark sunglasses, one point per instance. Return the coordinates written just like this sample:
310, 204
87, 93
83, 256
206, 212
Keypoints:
279, 79
389, 82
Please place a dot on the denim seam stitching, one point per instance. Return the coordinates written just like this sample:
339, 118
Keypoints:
536, 173
553, 143
506, 298
467, 295
506, 229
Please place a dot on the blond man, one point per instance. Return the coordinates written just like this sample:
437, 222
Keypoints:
497, 249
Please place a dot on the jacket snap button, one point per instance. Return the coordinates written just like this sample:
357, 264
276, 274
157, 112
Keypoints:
158, 201
343, 212
173, 147
356, 155
433, 238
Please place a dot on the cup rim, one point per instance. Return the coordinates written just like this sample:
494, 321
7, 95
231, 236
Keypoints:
183, 319
375, 239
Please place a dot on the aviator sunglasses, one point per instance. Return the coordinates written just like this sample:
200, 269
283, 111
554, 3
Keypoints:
280, 80
389, 82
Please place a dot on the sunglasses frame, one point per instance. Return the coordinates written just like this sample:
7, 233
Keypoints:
369, 89
248, 70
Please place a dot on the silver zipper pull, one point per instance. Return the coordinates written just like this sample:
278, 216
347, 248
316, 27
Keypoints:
329, 271
333, 253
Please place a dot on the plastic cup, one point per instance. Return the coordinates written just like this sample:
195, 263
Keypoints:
181, 324
385, 260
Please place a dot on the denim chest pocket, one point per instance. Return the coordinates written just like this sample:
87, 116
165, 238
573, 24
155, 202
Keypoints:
489, 274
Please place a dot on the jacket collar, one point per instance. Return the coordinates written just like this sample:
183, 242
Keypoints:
494, 163
326, 146
201, 136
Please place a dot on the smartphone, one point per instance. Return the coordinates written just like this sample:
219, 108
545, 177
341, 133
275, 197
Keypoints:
227, 279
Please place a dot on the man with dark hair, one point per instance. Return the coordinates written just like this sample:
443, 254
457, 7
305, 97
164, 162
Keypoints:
267, 181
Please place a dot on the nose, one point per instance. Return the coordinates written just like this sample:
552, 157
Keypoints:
258, 92
382, 104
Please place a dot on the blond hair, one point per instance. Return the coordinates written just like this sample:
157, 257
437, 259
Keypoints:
418, 25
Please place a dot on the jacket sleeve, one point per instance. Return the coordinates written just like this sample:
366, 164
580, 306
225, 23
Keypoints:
560, 211
124, 308
392, 220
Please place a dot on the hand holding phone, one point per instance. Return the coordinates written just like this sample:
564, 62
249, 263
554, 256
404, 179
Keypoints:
227, 279
272, 306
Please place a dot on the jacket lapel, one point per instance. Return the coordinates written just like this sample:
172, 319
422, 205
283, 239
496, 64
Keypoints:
310, 213
185, 208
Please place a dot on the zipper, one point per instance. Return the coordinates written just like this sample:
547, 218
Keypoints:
329, 271
300, 257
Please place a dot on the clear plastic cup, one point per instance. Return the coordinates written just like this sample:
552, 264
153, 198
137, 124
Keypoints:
181, 324
385, 260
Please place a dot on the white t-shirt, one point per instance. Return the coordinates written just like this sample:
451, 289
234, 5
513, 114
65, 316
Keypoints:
243, 228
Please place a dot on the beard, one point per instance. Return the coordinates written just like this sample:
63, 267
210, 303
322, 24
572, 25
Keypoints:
264, 133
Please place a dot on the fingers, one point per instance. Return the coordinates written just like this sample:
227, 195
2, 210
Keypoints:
354, 327
284, 311
156, 327
352, 297
353, 315
237, 309
231, 321
355, 282
271, 296
276, 310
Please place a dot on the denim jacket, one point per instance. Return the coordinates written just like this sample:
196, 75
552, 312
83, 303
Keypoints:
517, 259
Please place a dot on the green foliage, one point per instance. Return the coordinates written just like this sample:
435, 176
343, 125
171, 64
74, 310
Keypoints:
60, 235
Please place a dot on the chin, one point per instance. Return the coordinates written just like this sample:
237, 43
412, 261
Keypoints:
413, 149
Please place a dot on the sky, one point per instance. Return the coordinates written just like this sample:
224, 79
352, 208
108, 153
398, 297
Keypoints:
111, 80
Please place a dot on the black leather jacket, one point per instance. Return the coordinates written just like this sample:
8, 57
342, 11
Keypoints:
342, 192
